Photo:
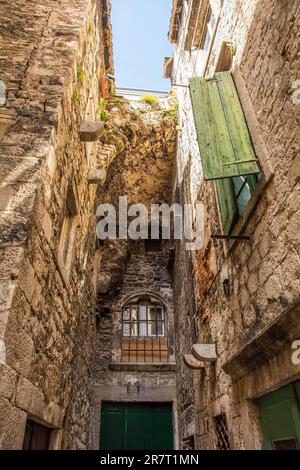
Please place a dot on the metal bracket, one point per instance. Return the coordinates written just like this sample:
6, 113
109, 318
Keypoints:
231, 237
240, 162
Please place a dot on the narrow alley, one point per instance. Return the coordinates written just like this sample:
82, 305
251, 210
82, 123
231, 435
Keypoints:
150, 240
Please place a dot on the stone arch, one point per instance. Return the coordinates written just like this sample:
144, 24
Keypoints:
145, 292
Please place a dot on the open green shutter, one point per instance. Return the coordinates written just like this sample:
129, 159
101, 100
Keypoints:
223, 137
226, 203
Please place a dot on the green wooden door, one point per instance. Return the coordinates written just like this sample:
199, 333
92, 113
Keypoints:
280, 415
136, 426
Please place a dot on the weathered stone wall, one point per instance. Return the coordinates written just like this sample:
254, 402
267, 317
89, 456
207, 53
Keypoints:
50, 62
144, 273
264, 273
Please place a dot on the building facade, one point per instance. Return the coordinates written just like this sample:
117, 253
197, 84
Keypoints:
234, 73
86, 325
54, 58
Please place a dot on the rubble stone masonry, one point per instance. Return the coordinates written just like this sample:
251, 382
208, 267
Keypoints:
51, 60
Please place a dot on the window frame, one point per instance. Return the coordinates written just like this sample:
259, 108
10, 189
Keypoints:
139, 323
209, 27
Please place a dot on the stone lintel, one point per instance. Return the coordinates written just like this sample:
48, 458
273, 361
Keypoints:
269, 342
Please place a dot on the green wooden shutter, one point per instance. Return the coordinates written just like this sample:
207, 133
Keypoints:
227, 205
223, 136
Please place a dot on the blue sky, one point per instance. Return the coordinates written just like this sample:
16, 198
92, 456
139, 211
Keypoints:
140, 29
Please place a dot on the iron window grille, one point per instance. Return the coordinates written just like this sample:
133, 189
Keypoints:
143, 321
221, 432
144, 334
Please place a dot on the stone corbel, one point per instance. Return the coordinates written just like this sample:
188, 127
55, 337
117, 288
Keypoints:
97, 177
192, 363
91, 131
205, 352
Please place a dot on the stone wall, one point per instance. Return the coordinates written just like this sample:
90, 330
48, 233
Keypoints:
144, 273
51, 61
263, 273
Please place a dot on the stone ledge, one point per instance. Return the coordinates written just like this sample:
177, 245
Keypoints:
143, 367
266, 344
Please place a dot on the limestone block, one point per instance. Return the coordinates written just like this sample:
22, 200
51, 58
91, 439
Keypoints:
14, 228
19, 347
97, 177
53, 414
12, 426
249, 316
8, 379
29, 398
273, 287
10, 258
26, 280
18, 197
253, 283
20, 169
55, 439
244, 297
6, 195
47, 225
7, 291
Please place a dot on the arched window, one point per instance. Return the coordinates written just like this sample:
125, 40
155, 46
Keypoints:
144, 332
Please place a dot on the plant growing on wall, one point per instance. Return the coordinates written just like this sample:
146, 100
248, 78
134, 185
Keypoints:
151, 100
76, 96
172, 111
102, 111
80, 74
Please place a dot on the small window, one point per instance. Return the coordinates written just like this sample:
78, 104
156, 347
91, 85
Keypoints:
144, 320
144, 333
208, 31
221, 432
244, 187
37, 437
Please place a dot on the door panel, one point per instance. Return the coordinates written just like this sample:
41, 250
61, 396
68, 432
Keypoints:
280, 414
136, 426
162, 430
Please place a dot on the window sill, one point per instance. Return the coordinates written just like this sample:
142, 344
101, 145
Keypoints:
161, 367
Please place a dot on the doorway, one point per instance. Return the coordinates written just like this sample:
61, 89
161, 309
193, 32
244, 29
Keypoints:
136, 426
280, 415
